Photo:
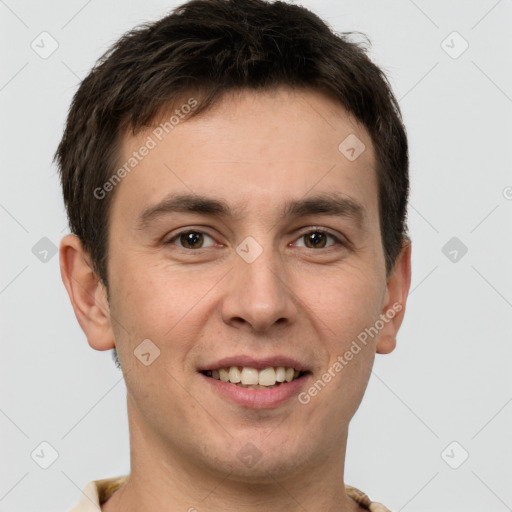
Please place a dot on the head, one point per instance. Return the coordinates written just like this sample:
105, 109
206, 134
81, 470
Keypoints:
236, 179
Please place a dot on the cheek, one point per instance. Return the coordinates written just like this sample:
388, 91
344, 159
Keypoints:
349, 301
156, 295
352, 349
346, 308
147, 303
163, 304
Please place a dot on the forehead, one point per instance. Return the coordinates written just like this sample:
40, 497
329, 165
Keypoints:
251, 148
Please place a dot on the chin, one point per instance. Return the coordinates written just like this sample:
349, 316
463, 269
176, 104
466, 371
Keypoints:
260, 460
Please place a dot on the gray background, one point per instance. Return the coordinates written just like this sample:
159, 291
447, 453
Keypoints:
449, 378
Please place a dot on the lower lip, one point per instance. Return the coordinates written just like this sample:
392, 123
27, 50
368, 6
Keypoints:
258, 398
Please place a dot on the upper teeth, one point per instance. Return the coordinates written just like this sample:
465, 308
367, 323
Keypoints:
248, 376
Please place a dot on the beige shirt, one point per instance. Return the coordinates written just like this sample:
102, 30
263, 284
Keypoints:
98, 492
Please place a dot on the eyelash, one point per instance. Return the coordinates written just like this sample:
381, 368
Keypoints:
312, 230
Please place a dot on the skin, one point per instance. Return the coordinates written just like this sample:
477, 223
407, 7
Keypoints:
254, 150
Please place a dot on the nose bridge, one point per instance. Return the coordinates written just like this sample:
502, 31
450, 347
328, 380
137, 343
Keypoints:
262, 276
258, 293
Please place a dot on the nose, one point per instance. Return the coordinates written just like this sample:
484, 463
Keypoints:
258, 295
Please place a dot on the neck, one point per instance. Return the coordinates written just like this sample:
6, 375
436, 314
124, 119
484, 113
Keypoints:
163, 479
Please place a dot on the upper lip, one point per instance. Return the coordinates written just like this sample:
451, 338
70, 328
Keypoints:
255, 362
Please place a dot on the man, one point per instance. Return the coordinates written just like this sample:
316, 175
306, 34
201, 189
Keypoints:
236, 180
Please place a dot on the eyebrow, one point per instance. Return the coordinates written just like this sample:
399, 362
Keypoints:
321, 204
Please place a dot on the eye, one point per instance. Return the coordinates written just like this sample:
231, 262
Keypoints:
191, 240
317, 239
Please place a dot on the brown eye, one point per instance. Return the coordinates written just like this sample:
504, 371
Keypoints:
315, 239
318, 239
192, 240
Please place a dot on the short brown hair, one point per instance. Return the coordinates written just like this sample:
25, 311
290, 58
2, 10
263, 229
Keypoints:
212, 47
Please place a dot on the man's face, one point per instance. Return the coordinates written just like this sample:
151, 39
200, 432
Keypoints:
261, 284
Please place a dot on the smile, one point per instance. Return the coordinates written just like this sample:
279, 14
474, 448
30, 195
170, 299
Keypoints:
252, 378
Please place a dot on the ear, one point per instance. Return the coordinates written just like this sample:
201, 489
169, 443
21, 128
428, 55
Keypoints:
86, 292
393, 309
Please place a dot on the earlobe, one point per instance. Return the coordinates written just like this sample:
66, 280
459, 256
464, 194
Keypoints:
393, 310
86, 292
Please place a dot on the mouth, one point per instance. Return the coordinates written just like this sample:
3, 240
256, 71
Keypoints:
256, 383
249, 377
